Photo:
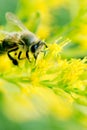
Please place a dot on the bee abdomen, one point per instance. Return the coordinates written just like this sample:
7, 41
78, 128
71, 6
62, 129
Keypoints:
6, 45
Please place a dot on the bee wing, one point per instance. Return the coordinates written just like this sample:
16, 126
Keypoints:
14, 19
3, 34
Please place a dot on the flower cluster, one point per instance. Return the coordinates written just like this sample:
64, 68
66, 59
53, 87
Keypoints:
51, 85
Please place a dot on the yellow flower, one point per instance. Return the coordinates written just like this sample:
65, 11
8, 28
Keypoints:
74, 70
54, 48
82, 36
5, 63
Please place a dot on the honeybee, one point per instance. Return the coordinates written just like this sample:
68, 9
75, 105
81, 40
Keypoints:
20, 40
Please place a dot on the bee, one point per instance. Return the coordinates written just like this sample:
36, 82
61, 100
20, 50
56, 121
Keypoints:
24, 40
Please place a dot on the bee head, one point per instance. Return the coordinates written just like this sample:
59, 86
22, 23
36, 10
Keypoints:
36, 48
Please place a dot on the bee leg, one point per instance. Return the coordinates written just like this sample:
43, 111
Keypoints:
15, 62
19, 56
35, 56
27, 55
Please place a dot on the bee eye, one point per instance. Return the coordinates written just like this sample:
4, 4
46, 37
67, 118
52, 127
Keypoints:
34, 47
